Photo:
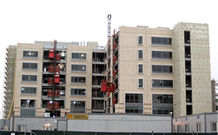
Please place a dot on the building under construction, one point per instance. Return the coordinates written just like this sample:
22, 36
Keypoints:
141, 70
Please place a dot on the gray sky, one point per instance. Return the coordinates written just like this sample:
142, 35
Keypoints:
25, 21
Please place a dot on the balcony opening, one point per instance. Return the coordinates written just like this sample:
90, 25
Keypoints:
187, 37
98, 68
188, 66
188, 109
98, 104
98, 57
187, 52
61, 54
51, 114
96, 93
188, 96
188, 81
96, 80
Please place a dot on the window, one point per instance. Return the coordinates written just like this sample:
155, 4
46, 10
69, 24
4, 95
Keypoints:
28, 90
186, 128
162, 83
78, 91
214, 127
78, 79
140, 54
134, 103
77, 107
140, 40
33, 54
161, 55
27, 103
162, 103
78, 68
140, 68
162, 69
81, 56
22, 128
29, 78
31, 66
178, 128
161, 41
198, 127
216, 107
140, 83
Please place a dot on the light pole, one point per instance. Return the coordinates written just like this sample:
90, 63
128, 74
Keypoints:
171, 116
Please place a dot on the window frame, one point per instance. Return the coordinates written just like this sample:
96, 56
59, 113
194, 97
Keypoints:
30, 56
78, 65
139, 83
170, 53
29, 68
162, 69
77, 101
78, 82
140, 66
79, 58
161, 41
78, 94
28, 91
140, 40
140, 50
29, 78
162, 84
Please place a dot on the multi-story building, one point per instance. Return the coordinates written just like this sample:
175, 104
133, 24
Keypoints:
155, 71
75, 87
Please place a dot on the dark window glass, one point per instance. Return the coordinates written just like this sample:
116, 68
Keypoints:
161, 41
162, 83
140, 40
161, 55
28, 90
134, 103
162, 103
77, 79
140, 67
30, 66
29, 78
77, 107
78, 91
28, 103
140, 54
140, 83
78, 68
30, 54
81, 56
98, 104
161, 69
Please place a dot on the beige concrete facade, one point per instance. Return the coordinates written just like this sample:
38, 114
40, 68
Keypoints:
200, 68
128, 65
68, 98
173, 82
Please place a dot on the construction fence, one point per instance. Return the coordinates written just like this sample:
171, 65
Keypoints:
41, 132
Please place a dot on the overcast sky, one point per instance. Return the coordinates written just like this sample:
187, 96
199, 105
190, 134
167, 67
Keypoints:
26, 21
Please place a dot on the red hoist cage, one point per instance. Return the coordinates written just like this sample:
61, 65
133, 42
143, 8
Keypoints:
54, 80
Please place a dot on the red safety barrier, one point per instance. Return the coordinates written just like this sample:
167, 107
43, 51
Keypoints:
51, 54
49, 93
57, 79
50, 68
57, 69
58, 57
114, 58
50, 81
103, 86
114, 101
57, 93
56, 105
49, 105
